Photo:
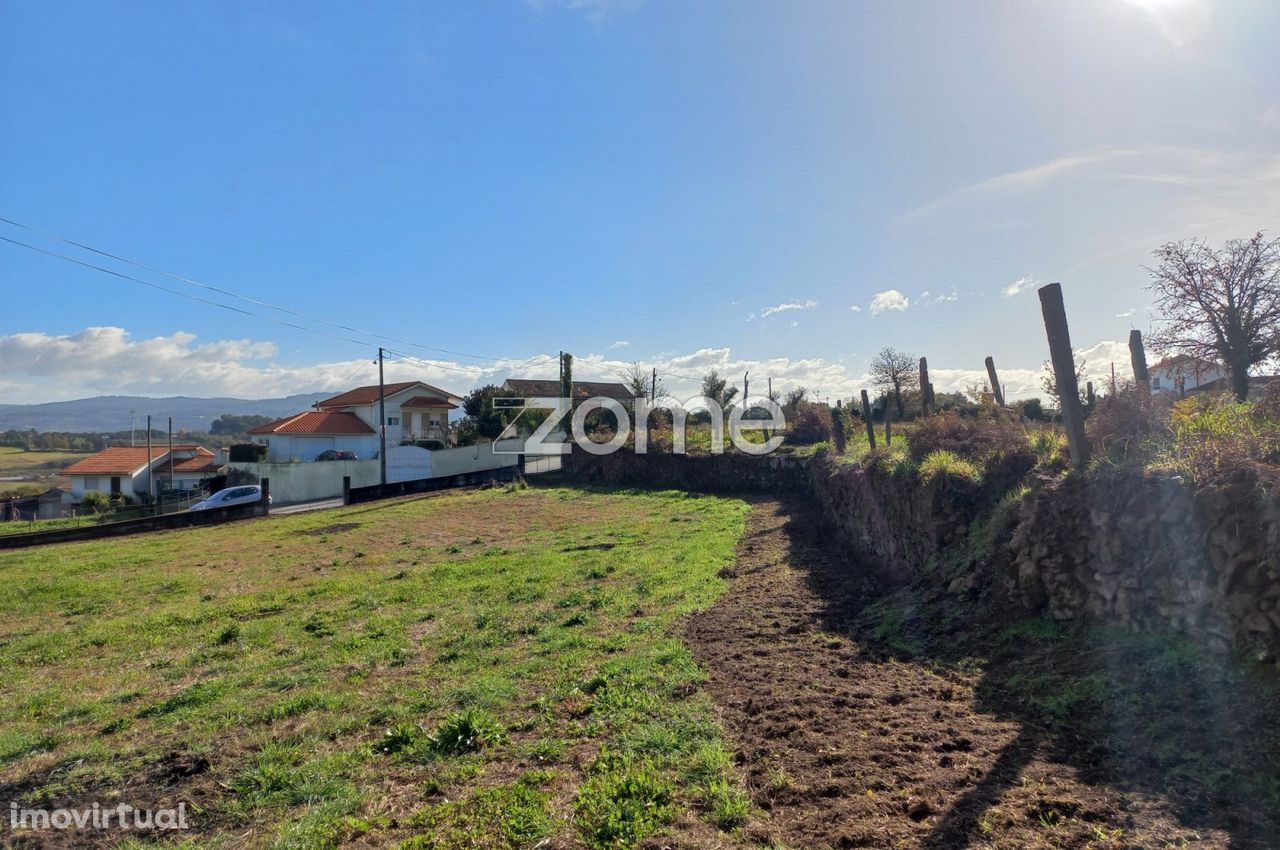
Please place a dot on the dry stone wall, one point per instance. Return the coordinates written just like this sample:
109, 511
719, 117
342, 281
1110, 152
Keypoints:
1145, 551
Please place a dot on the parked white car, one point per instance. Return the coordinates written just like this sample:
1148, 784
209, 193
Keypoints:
231, 496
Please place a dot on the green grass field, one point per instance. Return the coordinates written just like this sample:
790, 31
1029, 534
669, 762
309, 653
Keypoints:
487, 669
38, 470
16, 461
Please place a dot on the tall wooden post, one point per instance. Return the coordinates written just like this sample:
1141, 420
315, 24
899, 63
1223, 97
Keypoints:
996, 389
866, 418
837, 427
1088, 393
1064, 371
1139, 357
925, 386
888, 421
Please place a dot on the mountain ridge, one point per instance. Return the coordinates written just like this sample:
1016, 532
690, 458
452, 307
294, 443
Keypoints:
111, 413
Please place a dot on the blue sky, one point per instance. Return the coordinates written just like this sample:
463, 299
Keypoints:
690, 186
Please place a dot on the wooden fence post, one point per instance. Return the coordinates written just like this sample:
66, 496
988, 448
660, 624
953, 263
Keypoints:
1064, 371
866, 417
996, 390
888, 421
1139, 357
837, 427
925, 386
1089, 397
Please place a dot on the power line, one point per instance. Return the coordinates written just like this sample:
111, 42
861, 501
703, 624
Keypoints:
181, 294
229, 293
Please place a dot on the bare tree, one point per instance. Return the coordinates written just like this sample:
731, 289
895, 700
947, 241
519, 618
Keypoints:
794, 398
894, 371
640, 383
1221, 305
1049, 382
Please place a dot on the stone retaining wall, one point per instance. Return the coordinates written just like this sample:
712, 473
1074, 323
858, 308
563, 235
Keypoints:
1144, 551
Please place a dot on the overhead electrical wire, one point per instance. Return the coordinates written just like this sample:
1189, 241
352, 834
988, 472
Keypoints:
226, 292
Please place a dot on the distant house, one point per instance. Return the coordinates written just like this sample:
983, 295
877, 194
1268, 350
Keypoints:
1257, 385
348, 422
582, 390
1182, 374
127, 471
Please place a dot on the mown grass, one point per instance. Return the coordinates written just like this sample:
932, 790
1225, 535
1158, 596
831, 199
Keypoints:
469, 670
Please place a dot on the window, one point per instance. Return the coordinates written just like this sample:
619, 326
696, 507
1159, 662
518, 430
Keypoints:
90, 483
1155, 382
393, 420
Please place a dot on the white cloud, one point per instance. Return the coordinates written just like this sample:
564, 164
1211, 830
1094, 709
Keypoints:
855, 308
890, 299
788, 307
1173, 190
1020, 285
1127, 313
596, 11
107, 361
927, 297
622, 343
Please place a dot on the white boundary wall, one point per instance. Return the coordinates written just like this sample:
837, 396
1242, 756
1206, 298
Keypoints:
292, 483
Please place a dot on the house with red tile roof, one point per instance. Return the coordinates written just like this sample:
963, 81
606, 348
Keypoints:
416, 412
128, 471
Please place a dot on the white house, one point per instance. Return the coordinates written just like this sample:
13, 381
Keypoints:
416, 412
127, 471
1182, 373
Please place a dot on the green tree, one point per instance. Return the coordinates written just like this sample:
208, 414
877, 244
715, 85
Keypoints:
483, 418
718, 390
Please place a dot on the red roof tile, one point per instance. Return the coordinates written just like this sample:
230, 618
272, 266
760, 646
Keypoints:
315, 422
428, 401
125, 460
369, 395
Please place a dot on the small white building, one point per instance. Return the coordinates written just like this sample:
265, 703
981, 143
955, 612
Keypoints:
416, 412
1182, 373
127, 471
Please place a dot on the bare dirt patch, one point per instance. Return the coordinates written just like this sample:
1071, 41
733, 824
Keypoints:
856, 729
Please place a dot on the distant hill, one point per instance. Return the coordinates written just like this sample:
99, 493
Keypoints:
111, 413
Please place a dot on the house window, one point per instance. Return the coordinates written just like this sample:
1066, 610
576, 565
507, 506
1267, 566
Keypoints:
1155, 382
90, 483
115, 485
393, 420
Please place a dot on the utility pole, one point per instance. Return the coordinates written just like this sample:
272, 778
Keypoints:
382, 422
151, 487
131, 430
170, 454
653, 386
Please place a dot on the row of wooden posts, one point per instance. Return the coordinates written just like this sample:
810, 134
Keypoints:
1063, 361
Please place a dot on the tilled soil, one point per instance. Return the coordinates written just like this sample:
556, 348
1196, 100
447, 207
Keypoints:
843, 744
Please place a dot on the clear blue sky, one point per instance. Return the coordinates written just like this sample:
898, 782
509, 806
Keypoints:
514, 178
